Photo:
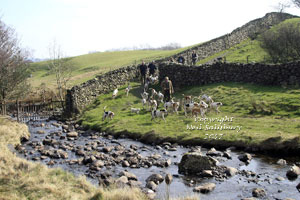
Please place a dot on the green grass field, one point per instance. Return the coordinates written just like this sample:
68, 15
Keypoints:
261, 112
87, 66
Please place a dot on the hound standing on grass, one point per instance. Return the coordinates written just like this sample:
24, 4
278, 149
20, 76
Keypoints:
158, 114
145, 95
160, 97
207, 99
144, 102
191, 106
146, 85
107, 114
153, 79
187, 99
202, 108
127, 90
152, 104
135, 110
153, 93
173, 105
115, 92
215, 106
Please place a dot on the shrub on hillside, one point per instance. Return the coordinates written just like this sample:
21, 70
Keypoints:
283, 43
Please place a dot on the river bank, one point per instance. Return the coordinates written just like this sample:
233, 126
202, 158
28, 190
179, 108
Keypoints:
99, 155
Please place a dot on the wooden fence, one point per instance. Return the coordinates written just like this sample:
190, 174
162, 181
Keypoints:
26, 111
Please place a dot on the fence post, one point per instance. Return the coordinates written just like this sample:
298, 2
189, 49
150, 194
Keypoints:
4, 107
18, 112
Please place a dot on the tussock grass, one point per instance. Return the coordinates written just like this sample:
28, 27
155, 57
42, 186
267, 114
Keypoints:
125, 193
21, 179
262, 112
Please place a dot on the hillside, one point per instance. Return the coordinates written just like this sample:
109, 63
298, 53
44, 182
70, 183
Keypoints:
235, 45
248, 48
87, 66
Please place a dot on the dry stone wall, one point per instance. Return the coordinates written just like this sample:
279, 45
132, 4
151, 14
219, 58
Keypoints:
262, 74
181, 75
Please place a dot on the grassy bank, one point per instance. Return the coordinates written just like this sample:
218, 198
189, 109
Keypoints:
264, 115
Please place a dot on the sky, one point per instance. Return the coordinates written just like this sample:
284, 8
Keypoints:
83, 26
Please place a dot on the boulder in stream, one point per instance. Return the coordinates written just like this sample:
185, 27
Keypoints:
293, 172
205, 188
151, 185
258, 192
281, 162
194, 163
168, 179
231, 171
72, 134
129, 175
156, 178
246, 157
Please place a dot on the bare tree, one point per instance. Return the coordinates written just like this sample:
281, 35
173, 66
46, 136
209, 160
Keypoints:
13, 65
281, 6
296, 3
62, 69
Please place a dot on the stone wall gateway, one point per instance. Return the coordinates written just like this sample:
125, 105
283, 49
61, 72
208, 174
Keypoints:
82, 95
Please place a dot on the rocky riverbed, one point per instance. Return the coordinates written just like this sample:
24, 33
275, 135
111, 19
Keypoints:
207, 173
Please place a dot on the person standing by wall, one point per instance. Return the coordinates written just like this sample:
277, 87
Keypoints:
167, 88
181, 60
194, 57
152, 68
143, 71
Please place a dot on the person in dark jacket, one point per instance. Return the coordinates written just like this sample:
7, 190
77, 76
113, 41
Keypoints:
143, 71
181, 59
152, 68
194, 57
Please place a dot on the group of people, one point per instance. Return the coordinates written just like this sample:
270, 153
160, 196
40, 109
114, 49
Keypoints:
194, 58
144, 70
166, 84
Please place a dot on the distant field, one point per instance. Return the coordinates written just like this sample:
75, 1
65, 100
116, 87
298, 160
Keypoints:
88, 66
262, 112
248, 48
